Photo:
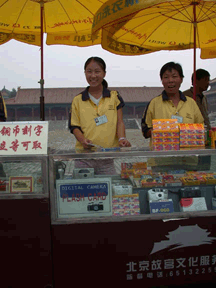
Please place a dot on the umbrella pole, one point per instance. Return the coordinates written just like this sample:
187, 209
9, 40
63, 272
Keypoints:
42, 116
194, 68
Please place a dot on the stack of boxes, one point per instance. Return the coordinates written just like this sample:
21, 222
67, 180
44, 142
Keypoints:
123, 205
192, 135
165, 134
133, 169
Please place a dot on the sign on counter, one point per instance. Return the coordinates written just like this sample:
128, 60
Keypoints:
23, 138
84, 197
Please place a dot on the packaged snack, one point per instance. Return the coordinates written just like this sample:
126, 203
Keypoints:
164, 121
151, 181
191, 143
191, 128
213, 137
126, 174
133, 165
125, 205
137, 173
166, 127
190, 181
210, 179
165, 134
171, 180
161, 147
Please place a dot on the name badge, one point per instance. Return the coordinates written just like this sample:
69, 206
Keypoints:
179, 118
101, 120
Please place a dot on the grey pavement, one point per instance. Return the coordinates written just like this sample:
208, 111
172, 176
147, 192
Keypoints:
59, 137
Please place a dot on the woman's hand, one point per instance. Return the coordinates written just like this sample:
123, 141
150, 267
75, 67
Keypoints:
124, 143
86, 143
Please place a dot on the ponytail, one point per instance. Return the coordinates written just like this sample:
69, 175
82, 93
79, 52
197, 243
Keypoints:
104, 83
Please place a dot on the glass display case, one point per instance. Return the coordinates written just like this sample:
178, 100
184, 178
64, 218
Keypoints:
23, 177
25, 221
137, 217
130, 184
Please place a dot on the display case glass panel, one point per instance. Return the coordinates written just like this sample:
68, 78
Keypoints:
23, 176
137, 184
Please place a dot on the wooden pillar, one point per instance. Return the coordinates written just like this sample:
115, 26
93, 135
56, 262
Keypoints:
16, 114
32, 113
50, 115
134, 110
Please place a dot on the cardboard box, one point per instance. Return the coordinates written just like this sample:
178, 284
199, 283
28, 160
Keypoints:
193, 204
162, 147
122, 189
166, 134
163, 206
133, 165
165, 128
123, 205
191, 128
164, 121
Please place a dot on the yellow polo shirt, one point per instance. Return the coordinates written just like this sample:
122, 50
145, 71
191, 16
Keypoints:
84, 111
161, 107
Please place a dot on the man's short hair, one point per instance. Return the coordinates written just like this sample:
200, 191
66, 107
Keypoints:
200, 74
169, 66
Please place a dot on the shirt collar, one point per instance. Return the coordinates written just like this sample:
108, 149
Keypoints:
85, 95
165, 97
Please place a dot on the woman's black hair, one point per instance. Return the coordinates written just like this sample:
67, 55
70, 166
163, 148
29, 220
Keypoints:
169, 66
100, 62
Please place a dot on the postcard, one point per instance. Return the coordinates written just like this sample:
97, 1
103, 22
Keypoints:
21, 184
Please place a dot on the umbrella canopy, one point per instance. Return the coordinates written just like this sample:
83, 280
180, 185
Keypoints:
64, 21
162, 24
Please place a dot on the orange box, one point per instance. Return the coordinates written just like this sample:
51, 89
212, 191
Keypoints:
193, 128
133, 165
165, 146
190, 181
164, 121
165, 134
210, 179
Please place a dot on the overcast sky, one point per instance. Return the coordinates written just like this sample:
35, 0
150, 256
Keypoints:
63, 66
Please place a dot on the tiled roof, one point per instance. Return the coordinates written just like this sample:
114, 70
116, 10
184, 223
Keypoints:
212, 90
212, 81
65, 95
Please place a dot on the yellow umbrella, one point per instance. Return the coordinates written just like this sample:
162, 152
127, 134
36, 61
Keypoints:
63, 20
162, 24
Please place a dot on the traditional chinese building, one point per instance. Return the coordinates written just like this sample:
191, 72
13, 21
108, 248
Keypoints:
211, 96
5, 93
26, 105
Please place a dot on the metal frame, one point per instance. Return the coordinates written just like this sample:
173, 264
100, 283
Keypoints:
128, 152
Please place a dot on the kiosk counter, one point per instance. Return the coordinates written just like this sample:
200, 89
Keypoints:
152, 223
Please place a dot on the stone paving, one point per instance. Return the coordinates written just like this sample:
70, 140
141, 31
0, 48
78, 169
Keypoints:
60, 138
63, 139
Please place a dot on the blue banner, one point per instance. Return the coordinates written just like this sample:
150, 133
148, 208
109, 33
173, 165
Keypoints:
84, 190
